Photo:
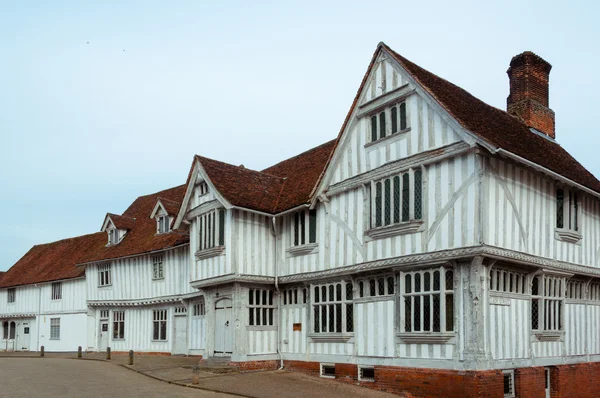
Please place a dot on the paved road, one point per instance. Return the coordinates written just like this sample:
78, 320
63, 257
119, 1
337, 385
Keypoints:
48, 377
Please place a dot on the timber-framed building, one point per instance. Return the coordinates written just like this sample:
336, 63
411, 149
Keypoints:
438, 245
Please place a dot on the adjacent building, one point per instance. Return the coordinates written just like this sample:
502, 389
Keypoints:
438, 245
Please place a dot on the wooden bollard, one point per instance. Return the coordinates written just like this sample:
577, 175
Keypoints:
107, 352
130, 357
79, 352
42, 351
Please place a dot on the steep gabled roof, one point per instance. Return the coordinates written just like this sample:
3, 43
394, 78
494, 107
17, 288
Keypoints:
497, 127
301, 174
121, 222
170, 206
52, 261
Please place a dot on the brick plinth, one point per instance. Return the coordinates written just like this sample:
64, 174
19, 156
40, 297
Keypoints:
252, 366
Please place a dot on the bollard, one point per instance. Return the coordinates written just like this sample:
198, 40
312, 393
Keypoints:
130, 357
42, 351
107, 352
79, 352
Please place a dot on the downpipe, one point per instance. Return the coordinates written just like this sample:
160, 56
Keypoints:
274, 232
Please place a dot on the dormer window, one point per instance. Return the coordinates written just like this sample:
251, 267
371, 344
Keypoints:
113, 236
163, 224
202, 188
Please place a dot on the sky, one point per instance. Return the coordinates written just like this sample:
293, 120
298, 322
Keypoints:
102, 102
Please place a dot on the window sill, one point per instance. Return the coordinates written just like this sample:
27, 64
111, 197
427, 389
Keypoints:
101, 286
258, 328
331, 337
549, 335
567, 235
208, 253
388, 139
388, 231
425, 338
301, 250
158, 279
159, 341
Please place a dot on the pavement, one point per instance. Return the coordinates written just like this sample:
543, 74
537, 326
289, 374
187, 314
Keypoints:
118, 378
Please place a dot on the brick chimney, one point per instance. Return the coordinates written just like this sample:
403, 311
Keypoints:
528, 99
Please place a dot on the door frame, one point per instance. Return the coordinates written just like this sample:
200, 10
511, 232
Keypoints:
180, 315
219, 306
100, 323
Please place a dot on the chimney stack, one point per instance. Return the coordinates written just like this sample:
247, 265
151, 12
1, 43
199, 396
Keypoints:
528, 99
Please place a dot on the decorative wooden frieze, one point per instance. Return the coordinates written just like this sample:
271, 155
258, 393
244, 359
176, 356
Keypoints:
208, 253
300, 250
500, 301
549, 336
331, 338
409, 227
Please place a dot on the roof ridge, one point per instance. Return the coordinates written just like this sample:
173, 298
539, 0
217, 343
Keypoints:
241, 168
65, 239
300, 154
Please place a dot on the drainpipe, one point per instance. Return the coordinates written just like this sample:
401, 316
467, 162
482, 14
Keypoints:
274, 219
39, 320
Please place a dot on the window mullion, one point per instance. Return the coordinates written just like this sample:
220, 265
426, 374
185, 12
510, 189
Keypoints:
373, 204
442, 300
411, 198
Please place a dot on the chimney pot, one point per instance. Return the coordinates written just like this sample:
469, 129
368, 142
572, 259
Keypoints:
529, 75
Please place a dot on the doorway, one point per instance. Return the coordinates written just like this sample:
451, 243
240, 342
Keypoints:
223, 328
23, 336
103, 336
180, 332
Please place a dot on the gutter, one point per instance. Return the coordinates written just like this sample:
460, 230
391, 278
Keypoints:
546, 171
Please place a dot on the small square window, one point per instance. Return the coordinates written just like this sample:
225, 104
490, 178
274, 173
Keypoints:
366, 373
328, 370
509, 383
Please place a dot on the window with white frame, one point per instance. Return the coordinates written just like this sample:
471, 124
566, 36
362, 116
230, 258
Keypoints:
333, 307
211, 229
504, 280
509, 383
428, 300
159, 325
54, 328
547, 300
576, 290
113, 236
300, 234
261, 307
567, 209
104, 275
57, 291
181, 310
118, 325
199, 307
376, 286
202, 188
397, 199
158, 269
293, 296
163, 224
11, 295
389, 121
104, 314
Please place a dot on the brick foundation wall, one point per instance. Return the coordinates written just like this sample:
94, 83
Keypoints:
252, 366
575, 381
530, 382
414, 382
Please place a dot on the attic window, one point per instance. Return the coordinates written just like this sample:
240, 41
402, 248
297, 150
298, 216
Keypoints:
301, 234
113, 236
567, 215
163, 224
202, 188
389, 121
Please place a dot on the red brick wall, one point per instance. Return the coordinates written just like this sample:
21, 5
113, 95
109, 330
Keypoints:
413, 382
251, 366
530, 382
575, 381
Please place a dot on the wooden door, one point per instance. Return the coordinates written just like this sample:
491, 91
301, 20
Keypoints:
223, 328
180, 333
104, 332
24, 336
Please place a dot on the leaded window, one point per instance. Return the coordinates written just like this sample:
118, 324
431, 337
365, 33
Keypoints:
547, 300
567, 209
293, 296
397, 199
333, 308
428, 300
395, 114
261, 307
159, 325
302, 235
211, 229
158, 269
54, 328
376, 286
104, 275
118, 325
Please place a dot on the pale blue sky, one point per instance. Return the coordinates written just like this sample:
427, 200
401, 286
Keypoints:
86, 128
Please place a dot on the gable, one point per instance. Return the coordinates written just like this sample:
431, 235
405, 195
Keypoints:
424, 126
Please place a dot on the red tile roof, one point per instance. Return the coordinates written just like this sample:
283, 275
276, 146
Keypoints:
171, 206
58, 260
122, 222
280, 187
497, 127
